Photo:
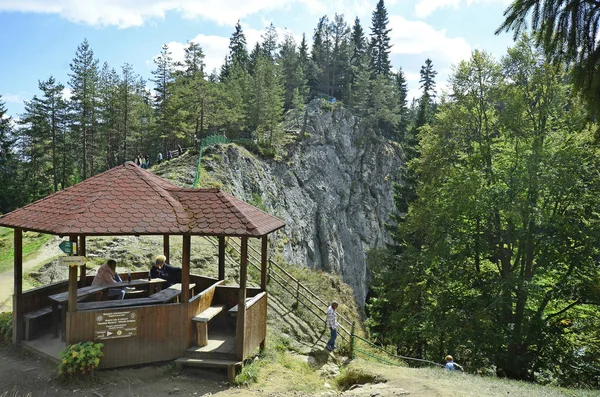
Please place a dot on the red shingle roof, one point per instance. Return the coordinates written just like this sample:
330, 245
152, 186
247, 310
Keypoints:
131, 200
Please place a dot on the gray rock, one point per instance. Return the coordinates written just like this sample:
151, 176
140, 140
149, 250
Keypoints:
333, 189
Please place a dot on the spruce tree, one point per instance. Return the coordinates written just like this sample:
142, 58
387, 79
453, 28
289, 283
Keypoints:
83, 83
163, 80
54, 107
341, 51
269, 43
426, 104
380, 41
293, 75
9, 199
238, 52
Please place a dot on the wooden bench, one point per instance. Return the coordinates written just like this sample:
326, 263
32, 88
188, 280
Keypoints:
116, 304
202, 320
168, 294
32, 316
249, 302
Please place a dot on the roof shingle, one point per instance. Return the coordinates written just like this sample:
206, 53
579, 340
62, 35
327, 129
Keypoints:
131, 200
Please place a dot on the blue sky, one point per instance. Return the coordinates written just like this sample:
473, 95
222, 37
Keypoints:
39, 37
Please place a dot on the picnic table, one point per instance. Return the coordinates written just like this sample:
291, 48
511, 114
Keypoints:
60, 300
168, 294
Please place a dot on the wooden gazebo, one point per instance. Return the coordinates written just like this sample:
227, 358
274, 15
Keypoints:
128, 200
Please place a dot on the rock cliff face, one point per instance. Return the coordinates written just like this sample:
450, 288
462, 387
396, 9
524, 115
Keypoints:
333, 189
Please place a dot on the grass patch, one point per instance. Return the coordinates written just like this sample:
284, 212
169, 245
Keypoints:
32, 241
355, 376
279, 370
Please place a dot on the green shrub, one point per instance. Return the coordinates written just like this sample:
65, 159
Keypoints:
5, 327
355, 376
83, 358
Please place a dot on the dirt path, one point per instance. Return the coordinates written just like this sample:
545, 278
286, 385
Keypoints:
47, 251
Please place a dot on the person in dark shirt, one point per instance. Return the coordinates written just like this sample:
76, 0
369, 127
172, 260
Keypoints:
163, 270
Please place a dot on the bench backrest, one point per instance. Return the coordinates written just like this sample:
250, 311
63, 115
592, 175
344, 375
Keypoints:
205, 298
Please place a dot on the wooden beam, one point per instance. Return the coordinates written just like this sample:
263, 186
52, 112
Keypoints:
81, 249
166, 248
72, 289
185, 269
221, 257
263, 264
241, 315
18, 286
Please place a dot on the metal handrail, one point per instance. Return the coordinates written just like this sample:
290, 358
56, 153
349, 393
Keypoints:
299, 284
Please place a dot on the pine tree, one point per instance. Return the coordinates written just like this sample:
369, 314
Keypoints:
269, 44
128, 99
321, 58
9, 199
266, 102
83, 83
340, 57
380, 41
426, 104
238, 53
163, 80
54, 107
293, 75
402, 92
110, 109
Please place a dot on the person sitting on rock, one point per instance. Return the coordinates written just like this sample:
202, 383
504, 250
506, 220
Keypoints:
162, 269
107, 275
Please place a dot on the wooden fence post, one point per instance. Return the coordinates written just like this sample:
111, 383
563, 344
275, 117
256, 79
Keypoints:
352, 341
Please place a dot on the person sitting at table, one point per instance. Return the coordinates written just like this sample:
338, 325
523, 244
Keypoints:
165, 271
107, 275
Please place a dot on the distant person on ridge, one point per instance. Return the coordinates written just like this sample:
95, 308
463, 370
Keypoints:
160, 158
332, 324
107, 275
163, 270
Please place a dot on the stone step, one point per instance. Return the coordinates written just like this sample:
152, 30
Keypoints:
232, 366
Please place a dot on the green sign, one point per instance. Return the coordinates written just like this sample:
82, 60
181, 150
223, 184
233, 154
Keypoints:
68, 247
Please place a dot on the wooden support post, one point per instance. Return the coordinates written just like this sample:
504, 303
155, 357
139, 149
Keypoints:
17, 324
221, 257
185, 269
352, 340
81, 249
72, 289
202, 329
263, 264
166, 248
240, 334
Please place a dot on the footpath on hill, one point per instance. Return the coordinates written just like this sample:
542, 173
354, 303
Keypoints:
46, 252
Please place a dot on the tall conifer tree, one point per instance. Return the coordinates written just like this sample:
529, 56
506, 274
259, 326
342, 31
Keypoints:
380, 41
83, 83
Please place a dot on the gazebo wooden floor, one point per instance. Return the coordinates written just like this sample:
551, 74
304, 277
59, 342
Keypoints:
46, 345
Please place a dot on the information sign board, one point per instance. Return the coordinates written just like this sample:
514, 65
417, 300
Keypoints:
115, 325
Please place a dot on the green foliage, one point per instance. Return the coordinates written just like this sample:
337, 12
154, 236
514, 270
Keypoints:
567, 31
5, 327
354, 376
80, 358
495, 261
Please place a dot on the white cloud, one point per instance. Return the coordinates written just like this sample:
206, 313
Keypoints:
425, 8
66, 93
12, 98
128, 13
418, 37
215, 48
